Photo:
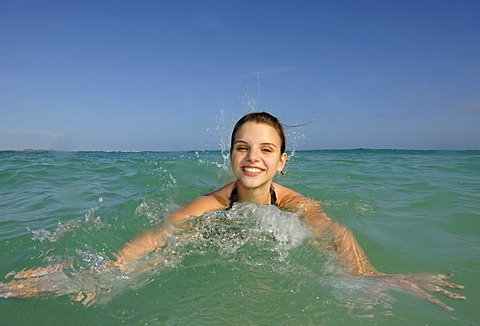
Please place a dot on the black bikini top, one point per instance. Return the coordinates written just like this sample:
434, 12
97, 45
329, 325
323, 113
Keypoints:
234, 197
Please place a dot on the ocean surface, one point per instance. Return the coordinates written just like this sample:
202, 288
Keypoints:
413, 212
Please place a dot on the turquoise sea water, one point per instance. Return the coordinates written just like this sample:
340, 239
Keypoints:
412, 212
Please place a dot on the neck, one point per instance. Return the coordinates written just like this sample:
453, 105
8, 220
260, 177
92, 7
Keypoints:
260, 195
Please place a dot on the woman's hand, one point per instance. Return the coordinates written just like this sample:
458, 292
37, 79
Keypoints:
420, 285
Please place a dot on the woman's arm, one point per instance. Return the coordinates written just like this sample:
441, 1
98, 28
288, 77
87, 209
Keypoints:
342, 239
355, 258
153, 240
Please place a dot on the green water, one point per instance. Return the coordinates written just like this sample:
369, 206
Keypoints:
412, 212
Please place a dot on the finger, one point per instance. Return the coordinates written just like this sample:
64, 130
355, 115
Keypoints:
90, 299
439, 280
443, 305
448, 293
431, 298
5, 291
39, 271
441, 277
79, 297
18, 289
452, 285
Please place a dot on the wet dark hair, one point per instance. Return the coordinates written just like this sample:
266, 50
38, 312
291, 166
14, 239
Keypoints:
261, 117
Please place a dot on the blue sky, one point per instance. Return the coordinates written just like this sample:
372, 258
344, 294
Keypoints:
176, 75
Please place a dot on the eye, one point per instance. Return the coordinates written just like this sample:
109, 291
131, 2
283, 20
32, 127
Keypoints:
242, 148
267, 150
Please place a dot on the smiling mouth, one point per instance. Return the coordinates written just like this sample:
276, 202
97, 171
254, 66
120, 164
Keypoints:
252, 170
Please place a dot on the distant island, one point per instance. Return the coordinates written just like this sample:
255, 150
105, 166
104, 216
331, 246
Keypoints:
29, 150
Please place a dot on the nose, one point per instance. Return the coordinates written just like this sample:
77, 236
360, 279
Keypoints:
252, 156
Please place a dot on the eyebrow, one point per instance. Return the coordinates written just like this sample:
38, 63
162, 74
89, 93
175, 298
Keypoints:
263, 144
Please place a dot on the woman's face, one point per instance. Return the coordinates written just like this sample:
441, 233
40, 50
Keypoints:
256, 155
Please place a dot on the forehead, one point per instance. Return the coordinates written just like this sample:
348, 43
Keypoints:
261, 132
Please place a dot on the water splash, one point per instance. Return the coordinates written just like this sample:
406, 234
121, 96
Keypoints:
250, 231
294, 139
257, 237
221, 133
89, 222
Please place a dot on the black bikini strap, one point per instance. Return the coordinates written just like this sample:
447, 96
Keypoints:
273, 196
234, 197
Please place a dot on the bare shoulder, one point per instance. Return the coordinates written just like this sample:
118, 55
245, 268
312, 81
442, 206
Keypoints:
291, 200
288, 197
221, 195
216, 200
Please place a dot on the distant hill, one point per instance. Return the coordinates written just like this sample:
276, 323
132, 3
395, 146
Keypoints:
29, 150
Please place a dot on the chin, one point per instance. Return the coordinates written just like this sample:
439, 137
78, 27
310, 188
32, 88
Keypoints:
251, 183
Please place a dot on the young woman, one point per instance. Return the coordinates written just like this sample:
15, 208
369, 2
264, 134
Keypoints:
257, 154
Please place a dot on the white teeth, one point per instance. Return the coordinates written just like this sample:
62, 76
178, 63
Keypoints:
252, 170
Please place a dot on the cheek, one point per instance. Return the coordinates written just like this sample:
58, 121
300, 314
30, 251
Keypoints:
235, 159
273, 164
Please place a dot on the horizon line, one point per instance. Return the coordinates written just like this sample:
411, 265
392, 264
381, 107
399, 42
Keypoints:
41, 150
